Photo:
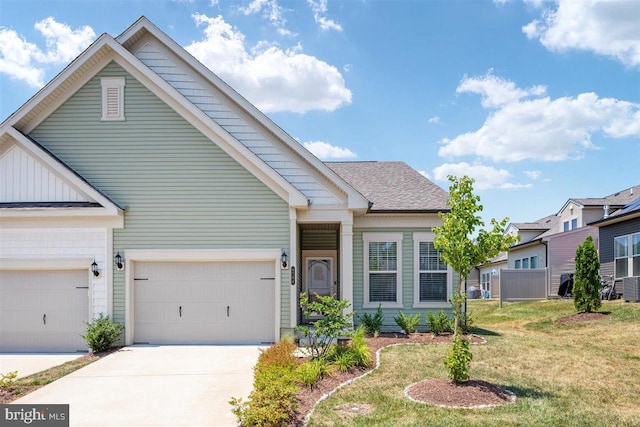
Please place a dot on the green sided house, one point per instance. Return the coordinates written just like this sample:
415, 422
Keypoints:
138, 184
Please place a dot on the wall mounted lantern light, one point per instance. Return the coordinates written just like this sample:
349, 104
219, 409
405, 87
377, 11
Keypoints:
284, 259
118, 261
94, 269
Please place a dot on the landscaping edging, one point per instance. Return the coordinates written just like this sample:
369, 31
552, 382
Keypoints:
325, 396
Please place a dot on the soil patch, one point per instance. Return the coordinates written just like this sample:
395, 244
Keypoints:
582, 317
307, 397
469, 394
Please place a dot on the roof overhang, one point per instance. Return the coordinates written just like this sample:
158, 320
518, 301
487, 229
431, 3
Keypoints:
616, 219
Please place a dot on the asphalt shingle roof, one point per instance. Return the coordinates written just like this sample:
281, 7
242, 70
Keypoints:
620, 198
392, 186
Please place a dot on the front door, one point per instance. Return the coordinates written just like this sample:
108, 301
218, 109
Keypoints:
319, 276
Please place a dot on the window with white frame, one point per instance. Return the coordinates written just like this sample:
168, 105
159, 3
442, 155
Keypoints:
525, 263
627, 255
112, 98
431, 274
383, 269
574, 223
517, 263
485, 282
534, 262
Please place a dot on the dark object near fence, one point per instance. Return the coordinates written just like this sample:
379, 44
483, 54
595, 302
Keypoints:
566, 285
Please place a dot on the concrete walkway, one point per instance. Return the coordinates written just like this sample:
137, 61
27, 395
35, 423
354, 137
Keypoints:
30, 363
155, 386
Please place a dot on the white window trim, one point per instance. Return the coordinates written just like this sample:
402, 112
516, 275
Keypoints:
382, 237
110, 83
630, 256
417, 239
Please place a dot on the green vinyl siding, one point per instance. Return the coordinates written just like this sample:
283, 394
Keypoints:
407, 277
181, 190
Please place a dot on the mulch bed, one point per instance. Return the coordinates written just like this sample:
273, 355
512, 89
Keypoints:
469, 394
582, 317
307, 397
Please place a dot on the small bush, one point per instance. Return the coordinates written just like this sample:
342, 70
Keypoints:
408, 324
8, 380
273, 401
458, 360
311, 371
438, 323
101, 333
466, 322
372, 324
279, 354
360, 349
330, 326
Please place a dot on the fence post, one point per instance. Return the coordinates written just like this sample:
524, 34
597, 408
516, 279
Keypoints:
500, 290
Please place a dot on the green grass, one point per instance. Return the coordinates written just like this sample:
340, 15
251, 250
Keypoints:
585, 374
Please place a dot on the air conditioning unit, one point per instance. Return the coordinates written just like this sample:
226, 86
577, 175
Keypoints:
631, 288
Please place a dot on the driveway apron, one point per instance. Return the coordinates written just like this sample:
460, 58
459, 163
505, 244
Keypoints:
155, 386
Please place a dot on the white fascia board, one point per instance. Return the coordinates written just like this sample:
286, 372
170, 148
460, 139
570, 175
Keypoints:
48, 221
418, 221
355, 199
109, 208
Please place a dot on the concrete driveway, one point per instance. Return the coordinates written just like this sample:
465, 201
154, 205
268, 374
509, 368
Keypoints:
30, 363
155, 386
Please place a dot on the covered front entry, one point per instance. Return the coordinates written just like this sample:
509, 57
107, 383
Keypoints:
43, 311
225, 302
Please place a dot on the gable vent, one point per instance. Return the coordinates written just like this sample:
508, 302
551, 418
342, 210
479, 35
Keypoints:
112, 98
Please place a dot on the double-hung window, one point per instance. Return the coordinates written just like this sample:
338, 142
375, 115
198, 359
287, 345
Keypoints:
626, 250
382, 269
432, 278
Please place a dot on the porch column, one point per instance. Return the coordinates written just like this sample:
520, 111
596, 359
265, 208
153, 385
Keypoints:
293, 261
346, 263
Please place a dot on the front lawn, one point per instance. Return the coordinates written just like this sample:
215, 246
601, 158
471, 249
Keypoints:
569, 374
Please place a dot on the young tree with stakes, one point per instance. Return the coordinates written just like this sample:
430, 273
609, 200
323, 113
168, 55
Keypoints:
462, 251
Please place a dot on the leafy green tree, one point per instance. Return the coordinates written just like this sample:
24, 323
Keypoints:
586, 280
463, 249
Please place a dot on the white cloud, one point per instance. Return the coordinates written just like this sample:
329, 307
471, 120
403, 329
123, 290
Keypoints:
486, 177
271, 10
347, 68
434, 119
533, 174
425, 174
324, 150
319, 9
271, 78
23, 60
609, 28
496, 91
542, 128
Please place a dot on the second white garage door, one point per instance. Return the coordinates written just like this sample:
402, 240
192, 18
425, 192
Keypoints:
204, 302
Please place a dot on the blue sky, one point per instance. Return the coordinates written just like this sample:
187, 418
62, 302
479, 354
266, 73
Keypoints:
539, 100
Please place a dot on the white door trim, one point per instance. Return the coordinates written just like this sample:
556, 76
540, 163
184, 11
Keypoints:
131, 256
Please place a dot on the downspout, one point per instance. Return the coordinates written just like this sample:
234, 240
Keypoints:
546, 262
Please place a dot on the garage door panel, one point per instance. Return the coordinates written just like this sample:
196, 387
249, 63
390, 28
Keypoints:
43, 310
204, 291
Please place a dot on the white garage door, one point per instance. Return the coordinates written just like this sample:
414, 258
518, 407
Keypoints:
43, 310
204, 302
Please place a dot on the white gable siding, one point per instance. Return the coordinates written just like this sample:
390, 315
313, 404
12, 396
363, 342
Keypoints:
233, 123
25, 179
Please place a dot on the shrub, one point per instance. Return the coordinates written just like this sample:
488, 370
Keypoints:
8, 380
408, 324
273, 399
586, 280
311, 371
458, 359
101, 333
466, 322
279, 354
329, 327
438, 323
359, 349
372, 324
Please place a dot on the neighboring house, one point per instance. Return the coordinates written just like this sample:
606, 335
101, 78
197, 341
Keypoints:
489, 274
551, 242
619, 243
140, 185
